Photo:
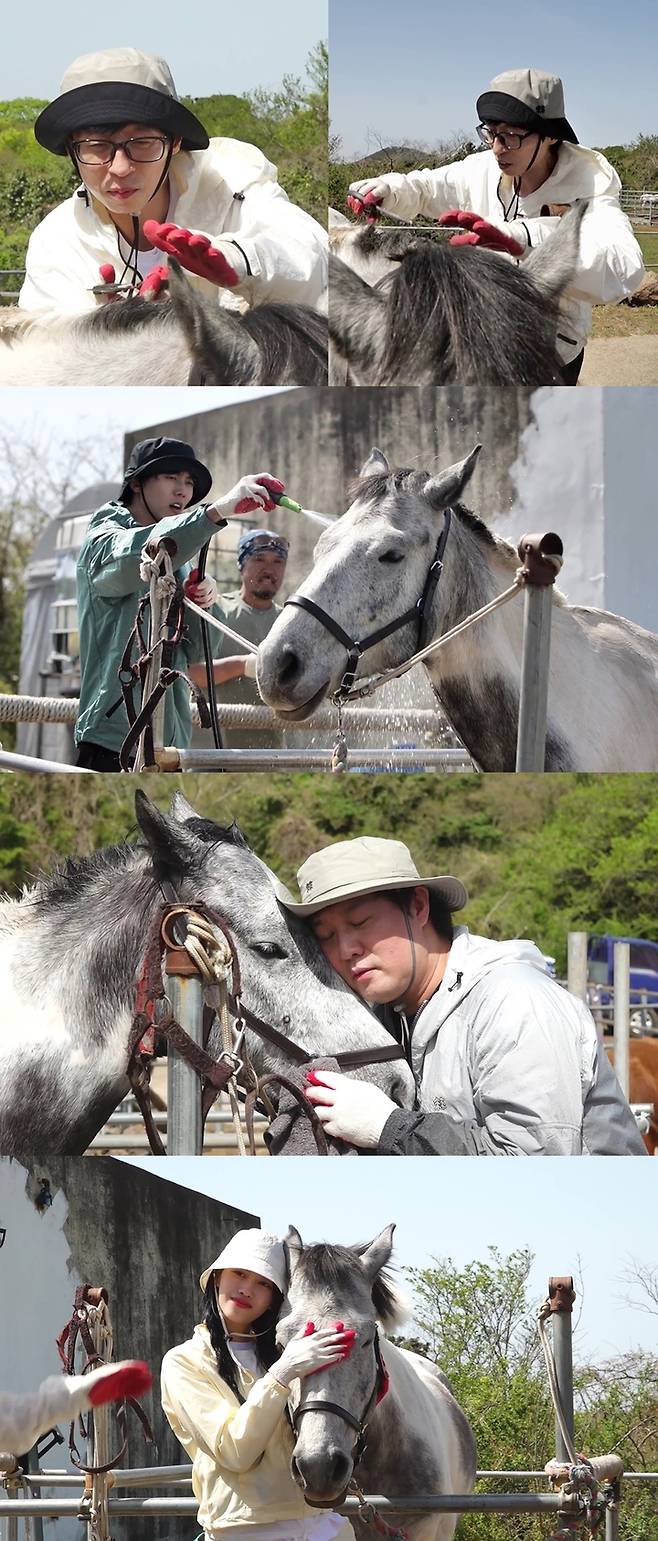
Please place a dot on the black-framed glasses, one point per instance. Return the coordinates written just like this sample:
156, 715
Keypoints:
508, 141
101, 152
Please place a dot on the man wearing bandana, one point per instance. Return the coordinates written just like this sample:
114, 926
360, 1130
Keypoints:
262, 557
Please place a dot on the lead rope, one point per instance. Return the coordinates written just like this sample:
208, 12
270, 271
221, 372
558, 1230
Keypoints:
212, 956
579, 1474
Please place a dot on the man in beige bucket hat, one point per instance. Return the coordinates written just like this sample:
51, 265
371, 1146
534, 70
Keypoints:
506, 1061
510, 198
154, 185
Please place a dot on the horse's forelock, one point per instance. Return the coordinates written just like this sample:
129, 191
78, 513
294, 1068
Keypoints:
369, 489
324, 1266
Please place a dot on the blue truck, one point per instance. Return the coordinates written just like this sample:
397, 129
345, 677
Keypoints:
643, 982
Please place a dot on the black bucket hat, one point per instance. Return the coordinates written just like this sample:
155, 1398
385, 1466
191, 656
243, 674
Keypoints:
151, 457
529, 98
115, 86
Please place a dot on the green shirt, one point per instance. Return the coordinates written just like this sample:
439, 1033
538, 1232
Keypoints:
109, 589
254, 625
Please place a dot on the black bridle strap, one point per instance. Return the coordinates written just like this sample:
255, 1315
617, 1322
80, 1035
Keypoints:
350, 1059
418, 613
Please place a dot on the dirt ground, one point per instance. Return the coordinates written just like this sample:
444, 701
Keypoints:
630, 360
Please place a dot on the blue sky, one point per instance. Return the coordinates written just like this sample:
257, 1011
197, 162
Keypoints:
591, 1210
210, 48
413, 72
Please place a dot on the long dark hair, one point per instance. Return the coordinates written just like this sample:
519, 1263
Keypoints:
265, 1327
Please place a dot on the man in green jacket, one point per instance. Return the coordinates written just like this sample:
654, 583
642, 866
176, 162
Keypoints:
163, 487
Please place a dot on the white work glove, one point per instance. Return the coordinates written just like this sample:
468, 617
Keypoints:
250, 666
373, 191
23, 1418
204, 593
348, 1110
311, 1352
250, 494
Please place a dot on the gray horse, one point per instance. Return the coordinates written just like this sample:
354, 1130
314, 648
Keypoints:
187, 339
371, 568
407, 311
72, 949
417, 1439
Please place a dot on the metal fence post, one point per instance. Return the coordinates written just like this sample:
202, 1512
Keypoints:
561, 1294
184, 1113
622, 983
542, 558
577, 963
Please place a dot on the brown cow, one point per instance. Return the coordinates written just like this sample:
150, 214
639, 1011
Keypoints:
644, 1081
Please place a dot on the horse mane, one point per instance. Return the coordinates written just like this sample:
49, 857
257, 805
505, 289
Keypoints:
449, 312
217, 834
325, 1265
72, 877
127, 316
445, 314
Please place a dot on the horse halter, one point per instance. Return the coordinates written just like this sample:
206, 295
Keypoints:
360, 1425
418, 613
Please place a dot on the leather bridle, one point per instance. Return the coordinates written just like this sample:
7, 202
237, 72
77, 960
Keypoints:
356, 648
213, 1074
360, 1425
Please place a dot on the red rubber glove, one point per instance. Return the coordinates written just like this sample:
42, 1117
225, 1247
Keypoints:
480, 233
348, 1336
151, 287
197, 254
113, 1382
369, 205
107, 273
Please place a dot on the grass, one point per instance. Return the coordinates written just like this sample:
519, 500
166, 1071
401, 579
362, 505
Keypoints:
627, 320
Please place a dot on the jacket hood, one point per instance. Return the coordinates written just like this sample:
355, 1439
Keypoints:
579, 173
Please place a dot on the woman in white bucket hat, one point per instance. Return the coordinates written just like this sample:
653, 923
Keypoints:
154, 185
225, 1394
507, 1062
510, 198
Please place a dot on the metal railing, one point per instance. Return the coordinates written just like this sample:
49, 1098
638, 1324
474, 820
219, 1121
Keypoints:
567, 1501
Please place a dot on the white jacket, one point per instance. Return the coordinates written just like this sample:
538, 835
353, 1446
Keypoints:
610, 264
510, 1062
230, 189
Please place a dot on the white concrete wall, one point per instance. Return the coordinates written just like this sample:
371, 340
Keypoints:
38, 1280
631, 503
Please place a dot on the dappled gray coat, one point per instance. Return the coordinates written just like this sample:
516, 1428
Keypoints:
509, 1064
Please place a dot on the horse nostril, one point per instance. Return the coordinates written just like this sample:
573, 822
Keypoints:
289, 667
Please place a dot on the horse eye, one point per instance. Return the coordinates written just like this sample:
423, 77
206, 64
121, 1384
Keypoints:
391, 556
270, 950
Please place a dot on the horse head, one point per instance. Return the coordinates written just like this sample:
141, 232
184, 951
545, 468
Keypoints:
331, 1411
285, 979
372, 568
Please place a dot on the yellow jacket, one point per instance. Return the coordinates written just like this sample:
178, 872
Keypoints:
240, 1454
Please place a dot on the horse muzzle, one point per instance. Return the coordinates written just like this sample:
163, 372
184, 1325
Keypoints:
323, 1475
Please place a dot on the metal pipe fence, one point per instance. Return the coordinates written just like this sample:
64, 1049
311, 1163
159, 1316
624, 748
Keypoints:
566, 1502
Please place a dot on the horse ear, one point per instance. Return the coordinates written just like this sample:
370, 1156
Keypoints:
447, 487
172, 846
376, 1255
181, 810
221, 348
552, 265
294, 1247
375, 465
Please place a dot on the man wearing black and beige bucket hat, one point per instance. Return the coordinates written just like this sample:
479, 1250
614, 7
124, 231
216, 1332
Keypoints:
506, 1061
511, 197
154, 185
